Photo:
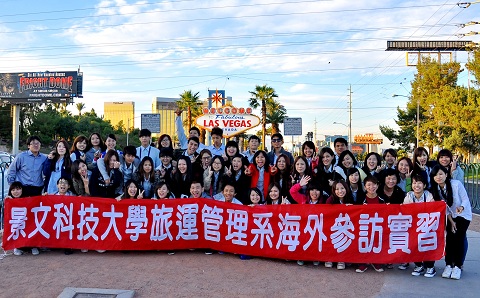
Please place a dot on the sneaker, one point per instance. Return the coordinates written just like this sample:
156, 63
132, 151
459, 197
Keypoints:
170, 253
361, 268
418, 270
340, 265
456, 273
35, 251
300, 263
430, 272
245, 257
404, 266
209, 252
377, 267
316, 263
17, 252
328, 264
84, 250
101, 251
447, 272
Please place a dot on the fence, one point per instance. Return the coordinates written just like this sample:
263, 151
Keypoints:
471, 182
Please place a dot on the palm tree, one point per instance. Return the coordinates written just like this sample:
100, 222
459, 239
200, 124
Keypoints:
190, 102
260, 97
276, 113
80, 107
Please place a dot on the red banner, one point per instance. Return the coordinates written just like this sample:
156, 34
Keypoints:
337, 233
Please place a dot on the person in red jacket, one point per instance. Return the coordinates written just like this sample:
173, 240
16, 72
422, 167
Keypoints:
260, 171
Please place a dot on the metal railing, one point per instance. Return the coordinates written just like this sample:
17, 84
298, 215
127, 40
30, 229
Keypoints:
4, 188
471, 181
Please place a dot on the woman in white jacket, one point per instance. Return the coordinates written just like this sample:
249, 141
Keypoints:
459, 216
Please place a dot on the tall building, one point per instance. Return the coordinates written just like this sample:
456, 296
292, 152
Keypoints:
117, 111
166, 107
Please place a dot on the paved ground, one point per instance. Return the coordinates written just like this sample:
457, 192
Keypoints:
192, 273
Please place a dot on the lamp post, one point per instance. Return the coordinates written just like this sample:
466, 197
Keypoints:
418, 114
349, 133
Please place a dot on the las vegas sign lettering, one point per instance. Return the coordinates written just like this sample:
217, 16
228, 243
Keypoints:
232, 120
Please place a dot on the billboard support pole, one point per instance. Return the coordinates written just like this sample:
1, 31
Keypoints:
15, 128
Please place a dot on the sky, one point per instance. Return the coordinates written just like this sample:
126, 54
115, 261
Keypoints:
310, 52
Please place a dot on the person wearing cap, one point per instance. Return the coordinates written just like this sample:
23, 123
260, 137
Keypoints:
277, 149
193, 132
253, 144
146, 149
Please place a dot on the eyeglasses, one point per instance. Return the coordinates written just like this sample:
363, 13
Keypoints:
276, 140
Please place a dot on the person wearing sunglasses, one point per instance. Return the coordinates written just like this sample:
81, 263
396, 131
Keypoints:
277, 149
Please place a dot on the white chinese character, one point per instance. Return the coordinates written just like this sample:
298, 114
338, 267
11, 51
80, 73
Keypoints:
112, 224
427, 225
212, 220
238, 221
398, 238
161, 223
290, 230
38, 225
63, 220
264, 230
19, 216
137, 218
187, 221
342, 236
365, 243
87, 217
317, 227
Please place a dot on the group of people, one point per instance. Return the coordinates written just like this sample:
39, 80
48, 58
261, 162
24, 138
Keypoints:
95, 167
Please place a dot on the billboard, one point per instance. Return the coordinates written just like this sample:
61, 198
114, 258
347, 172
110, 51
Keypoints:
26, 87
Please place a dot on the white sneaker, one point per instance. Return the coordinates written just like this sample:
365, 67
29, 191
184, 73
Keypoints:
316, 263
328, 264
17, 252
447, 272
403, 266
340, 265
456, 273
300, 263
84, 250
101, 251
35, 251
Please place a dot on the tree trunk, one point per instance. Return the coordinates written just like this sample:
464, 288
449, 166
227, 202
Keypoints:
264, 122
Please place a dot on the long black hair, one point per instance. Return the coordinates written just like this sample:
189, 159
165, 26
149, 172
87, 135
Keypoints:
438, 194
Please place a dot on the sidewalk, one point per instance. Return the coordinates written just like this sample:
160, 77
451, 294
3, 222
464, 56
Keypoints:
192, 273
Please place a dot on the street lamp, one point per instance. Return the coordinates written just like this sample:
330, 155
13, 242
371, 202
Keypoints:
349, 133
418, 114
